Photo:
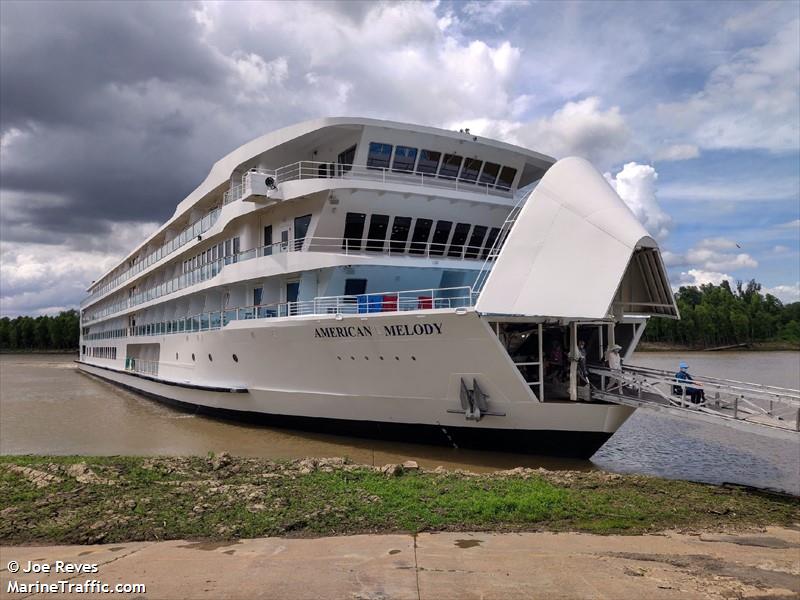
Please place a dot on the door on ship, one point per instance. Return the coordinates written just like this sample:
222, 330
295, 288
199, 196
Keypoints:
292, 293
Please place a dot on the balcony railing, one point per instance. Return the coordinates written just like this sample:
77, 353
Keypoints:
348, 246
384, 302
309, 169
191, 232
140, 365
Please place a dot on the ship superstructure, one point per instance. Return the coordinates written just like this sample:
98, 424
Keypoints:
385, 278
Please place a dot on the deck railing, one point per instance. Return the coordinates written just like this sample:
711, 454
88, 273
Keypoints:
315, 244
384, 302
141, 365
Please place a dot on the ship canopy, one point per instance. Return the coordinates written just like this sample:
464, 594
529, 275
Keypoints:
576, 251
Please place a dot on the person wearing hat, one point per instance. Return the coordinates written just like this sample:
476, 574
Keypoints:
613, 358
696, 395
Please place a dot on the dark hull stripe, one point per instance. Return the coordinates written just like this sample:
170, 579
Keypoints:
572, 444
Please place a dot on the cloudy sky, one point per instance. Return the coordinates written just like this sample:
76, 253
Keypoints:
111, 113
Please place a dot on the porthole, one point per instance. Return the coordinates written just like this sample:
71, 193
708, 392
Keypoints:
366, 358
192, 356
397, 358
381, 358
352, 358
235, 358
210, 359
413, 358
176, 356
339, 357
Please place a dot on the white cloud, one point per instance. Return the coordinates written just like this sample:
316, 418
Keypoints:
751, 101
761, 189
636, 185
790, 225
780, 249
710, 255
784, 293
677, 152
698, 277
671, 259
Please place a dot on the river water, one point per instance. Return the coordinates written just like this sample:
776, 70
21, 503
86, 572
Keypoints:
47, 407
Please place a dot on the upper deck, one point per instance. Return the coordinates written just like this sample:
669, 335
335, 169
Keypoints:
342, 151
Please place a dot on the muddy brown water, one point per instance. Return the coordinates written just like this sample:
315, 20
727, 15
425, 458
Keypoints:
48, 407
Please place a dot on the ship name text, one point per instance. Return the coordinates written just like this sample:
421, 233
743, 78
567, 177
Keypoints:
353, 331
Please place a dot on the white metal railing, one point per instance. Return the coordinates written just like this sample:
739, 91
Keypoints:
348, 246
728, 398
237, 192
383, 302
191, 232
307, 169
141, 365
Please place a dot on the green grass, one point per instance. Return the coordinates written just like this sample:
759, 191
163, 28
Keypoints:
132, 498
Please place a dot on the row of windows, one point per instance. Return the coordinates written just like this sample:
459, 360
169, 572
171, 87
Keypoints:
101, 352
404, 159
104, 335
222, 250
136, 264
465, 240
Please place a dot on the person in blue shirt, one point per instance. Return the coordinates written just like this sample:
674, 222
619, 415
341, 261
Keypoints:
696, 395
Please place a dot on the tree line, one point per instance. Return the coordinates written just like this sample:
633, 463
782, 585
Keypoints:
719, 315
60, 332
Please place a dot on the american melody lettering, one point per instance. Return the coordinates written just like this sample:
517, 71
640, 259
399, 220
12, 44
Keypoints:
355, 331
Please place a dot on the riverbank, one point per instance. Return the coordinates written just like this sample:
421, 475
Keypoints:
84, 500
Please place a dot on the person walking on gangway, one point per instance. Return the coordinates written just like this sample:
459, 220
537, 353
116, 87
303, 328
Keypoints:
696, 394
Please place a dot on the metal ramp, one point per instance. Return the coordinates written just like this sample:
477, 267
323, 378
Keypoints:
764, 409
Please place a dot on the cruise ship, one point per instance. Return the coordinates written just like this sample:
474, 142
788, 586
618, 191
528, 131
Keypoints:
369, 277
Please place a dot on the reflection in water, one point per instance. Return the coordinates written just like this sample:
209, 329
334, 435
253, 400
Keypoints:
47, 407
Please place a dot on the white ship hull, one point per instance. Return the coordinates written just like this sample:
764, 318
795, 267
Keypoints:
371, 375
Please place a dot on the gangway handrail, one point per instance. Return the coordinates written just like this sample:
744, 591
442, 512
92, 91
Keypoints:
733, 383
755, 407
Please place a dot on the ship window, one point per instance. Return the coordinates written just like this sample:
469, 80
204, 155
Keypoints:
478, 233
301, 230
440, 236
451, 163
235, 358
459, 238
236, 245
379, 155
506, 178
353, 231
400, 229
346, 158
428, 161
422, 230
378, 224
354, 287
268, 240
493, 232
257, 295
404, 159
489, 173
227, 247
471, 168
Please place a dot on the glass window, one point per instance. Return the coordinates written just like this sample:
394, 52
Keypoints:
489, 173
440, 236
404, 159
301, 225
378, 224
257, 294
506, 178
471, 168
379, 155
493, 232
400, 228
475, 242
422, 230
460, 234
451, 163
353, 231
354, 287
346, 158
268, 240
227, 247
236, 245
428, 161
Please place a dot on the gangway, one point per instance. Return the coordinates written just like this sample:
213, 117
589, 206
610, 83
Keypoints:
758, 408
